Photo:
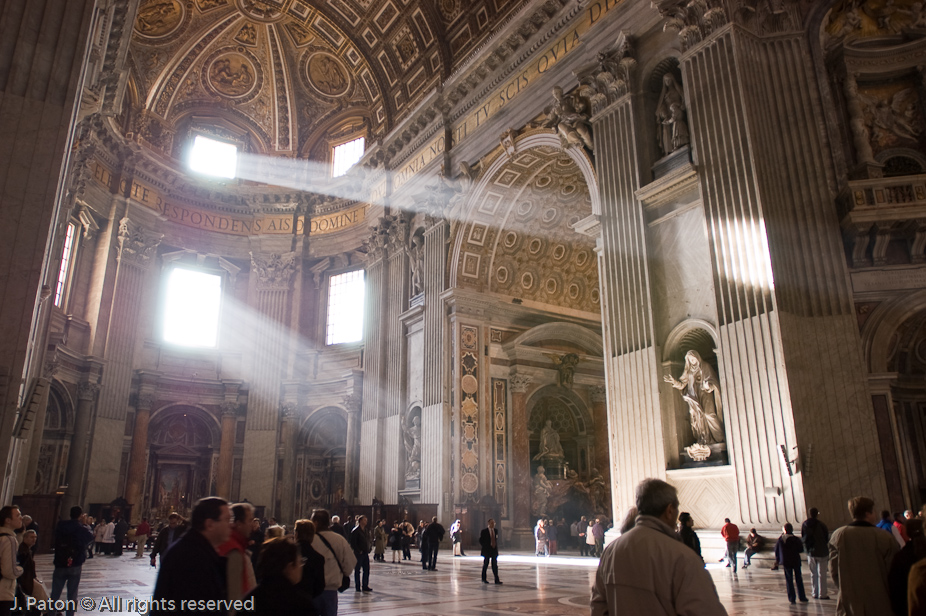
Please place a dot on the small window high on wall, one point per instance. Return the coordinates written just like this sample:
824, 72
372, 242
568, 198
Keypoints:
345, 308
345, 156
64, 270
212, 157
191, 308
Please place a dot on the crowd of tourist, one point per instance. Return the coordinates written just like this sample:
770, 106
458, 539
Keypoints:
227, 560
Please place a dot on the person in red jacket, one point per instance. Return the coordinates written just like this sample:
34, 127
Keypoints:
731, 534
141, 537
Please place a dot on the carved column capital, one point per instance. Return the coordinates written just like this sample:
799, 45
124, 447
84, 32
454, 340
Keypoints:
690, 19
352, 402
136, 245
87, 391
274, 271
288, 410
610, 79
520, 383
598, 394
229, 409
145, 401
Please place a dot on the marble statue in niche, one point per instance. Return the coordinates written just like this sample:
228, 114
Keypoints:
550, 446
542, 490
415, 262
671, 118
413, 449
567, 115
701, 391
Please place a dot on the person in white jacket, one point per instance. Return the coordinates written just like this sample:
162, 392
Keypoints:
10, 520
648, 571
339, 561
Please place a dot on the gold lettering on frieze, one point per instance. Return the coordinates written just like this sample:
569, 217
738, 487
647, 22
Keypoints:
329, 223
103, 175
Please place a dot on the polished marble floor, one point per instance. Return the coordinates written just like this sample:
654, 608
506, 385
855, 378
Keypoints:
556, 586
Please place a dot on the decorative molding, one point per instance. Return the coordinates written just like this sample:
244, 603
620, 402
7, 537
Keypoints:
136, 244
274, 271
87, 391
229, 409
609, 79
520, 383
144, 401
598, 394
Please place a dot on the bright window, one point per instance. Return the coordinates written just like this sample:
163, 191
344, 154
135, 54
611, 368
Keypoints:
65, 267
213, 157
191, 308
345, 155
345, 308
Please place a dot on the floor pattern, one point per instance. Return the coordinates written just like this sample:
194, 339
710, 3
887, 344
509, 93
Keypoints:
555, 586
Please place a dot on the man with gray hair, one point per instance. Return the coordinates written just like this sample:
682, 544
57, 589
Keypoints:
647, 570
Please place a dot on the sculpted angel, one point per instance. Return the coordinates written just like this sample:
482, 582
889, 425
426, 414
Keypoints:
567, 115
566, 366
894, 119
701, 390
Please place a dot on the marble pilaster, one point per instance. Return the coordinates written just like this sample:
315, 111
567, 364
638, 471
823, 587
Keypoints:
273, 278
600, 414
137, 248
519, 384
75, 476
138, 456
226, 449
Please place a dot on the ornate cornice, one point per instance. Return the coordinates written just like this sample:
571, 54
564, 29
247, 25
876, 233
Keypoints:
274, 271
136, 244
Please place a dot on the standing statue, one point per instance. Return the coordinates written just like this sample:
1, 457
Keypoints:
550, 446
701, 391
567, 115
413, 449
542, 490
671, 123
415, 261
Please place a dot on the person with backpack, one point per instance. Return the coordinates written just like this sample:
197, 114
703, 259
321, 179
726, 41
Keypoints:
71, 541
816, 537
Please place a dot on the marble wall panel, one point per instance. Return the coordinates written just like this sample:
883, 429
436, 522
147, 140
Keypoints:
433, 459
258, 475
708, 495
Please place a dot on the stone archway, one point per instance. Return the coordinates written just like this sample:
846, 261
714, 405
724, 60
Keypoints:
321, 459
182, 461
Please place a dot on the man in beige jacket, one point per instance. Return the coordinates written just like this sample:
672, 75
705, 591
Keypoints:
648, 571
10, 520
860, 559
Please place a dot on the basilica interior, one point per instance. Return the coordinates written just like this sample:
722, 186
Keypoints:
575, 244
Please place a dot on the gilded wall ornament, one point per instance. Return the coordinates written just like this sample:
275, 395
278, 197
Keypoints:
247, 35
327, 75
232, 75
264, 10
158, 18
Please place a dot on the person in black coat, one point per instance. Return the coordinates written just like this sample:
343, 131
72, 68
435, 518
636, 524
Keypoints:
488, 540
788, 553
313, 569
279, 573
192, 569
360, 543
433, 535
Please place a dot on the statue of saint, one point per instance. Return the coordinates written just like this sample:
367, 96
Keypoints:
671, 122
550, 446
413, 449
701, 391
542, 490
567, 115
415, 262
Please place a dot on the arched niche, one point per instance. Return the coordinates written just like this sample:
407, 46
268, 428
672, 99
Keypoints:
56, 440
321, 455
183, 441
690, 335
570, 417
894, 341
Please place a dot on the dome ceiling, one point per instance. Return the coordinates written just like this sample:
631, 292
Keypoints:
292, 77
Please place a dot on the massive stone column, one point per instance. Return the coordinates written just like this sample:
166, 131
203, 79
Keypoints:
396, 357
76, 473
631, 367
789, 347
435, 411
273, 274
136, 250
370, 481
223, 481
352, 403
520, 455
40, 68
602, 442
285, 495
138, 457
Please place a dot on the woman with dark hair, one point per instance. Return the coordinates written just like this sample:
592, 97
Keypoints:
687, 534
279, 571
313, 572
